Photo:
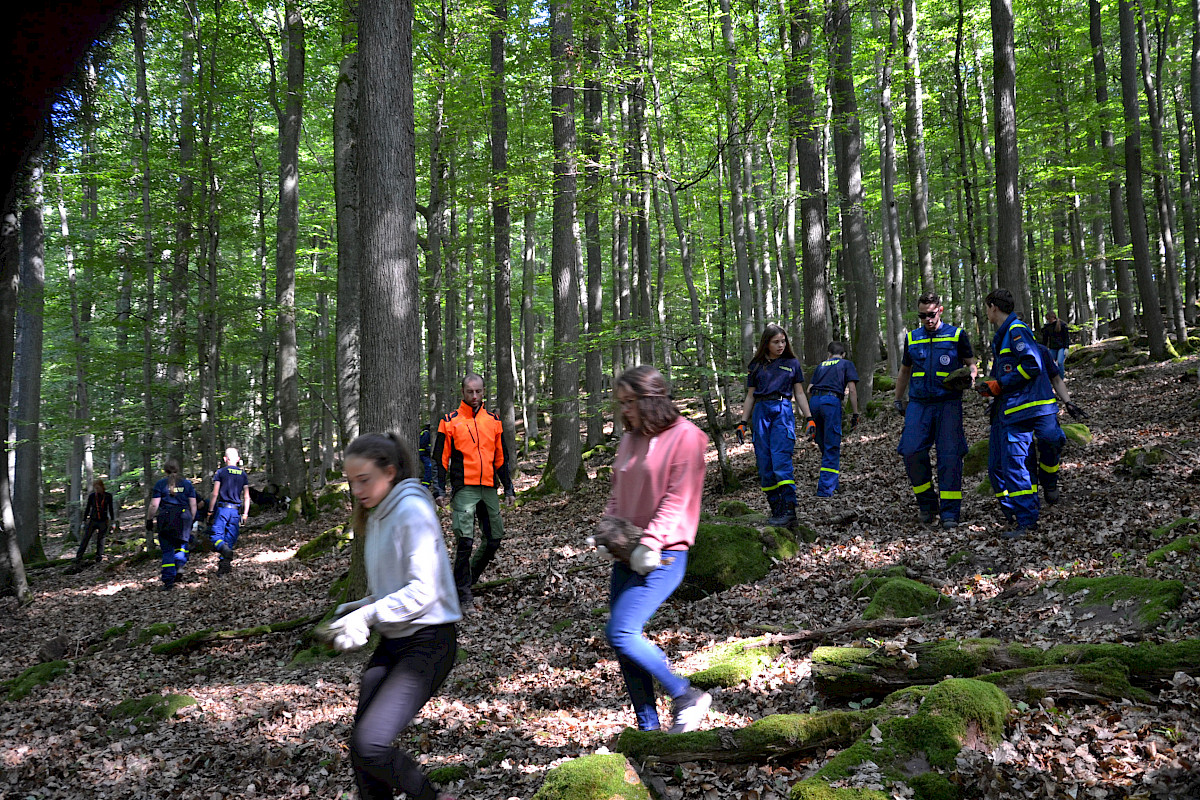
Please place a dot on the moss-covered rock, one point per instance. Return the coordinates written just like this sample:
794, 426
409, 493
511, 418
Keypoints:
332, 539
894, 595
1184, 544
949, 716
1153, 598
448, 774
1078, 433
869, 581
730, 555
985, 487
733, 662
1104, 372
596, 777
34, 677
147, 712
903, 597
1166, 530
976, 459
1135, 456
884, 383
331, 500
733, 508
154, 631
117, 630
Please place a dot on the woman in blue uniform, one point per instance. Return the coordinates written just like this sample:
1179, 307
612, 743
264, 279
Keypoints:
775, 378
171, 511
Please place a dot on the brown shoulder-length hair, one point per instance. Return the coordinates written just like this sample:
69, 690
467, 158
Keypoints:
655, 406
384, 450
770, 332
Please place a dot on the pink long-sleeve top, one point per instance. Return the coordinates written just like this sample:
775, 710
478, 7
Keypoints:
657, 484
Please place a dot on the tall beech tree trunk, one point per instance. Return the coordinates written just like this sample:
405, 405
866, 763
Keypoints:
148, 327
1190, 232
529, 325
856, 247
345, 182
1009, 270
969, 191
736, 203
177, 299
807, 130
593, 110
893, 256
1116, 208
390, 289
1164, 201
506, 381
914, 136
440, 399
287, 378
1139, 236
27, 474
564, 462
12, 567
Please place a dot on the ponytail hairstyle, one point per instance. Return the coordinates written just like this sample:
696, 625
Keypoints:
384, 450
171, 468
762, 354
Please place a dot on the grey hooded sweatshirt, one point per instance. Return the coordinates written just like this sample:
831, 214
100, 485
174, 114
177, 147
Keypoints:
408, 570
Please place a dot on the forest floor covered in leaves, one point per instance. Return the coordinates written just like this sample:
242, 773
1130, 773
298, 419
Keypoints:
537, 683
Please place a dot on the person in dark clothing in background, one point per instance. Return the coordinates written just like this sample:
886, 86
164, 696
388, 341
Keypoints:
98, 517
1056, 336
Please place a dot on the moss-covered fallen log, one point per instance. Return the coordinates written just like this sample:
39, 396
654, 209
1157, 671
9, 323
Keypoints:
607, 776
486, 586
862, 671
871, 626
770, 737
202, 637
921, 731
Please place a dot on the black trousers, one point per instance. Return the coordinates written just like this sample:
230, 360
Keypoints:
399, 679
98, 527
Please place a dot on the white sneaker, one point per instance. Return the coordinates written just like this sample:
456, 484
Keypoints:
689, 711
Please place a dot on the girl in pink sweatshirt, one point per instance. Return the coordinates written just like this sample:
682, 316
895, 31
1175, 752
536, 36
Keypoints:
658, 478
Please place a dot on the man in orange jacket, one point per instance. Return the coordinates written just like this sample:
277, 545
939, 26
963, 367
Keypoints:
470, 451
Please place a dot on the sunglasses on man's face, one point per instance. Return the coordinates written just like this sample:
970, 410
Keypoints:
927, 314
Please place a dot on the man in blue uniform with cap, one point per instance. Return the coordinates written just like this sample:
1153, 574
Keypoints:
1023, 406
933, 415
231, 492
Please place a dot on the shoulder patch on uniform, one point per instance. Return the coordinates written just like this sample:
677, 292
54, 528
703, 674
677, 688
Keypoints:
1019, 345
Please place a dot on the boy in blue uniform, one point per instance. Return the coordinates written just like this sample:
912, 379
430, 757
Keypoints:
230, 492
829, 383
775, 378
934, 414
1023, 407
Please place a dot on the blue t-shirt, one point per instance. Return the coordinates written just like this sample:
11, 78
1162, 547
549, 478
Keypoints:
174, 496
774, 377
833, 375
233, 481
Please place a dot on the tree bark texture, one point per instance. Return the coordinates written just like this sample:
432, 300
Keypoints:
345, 165
506, 381
1009, 271
27, 486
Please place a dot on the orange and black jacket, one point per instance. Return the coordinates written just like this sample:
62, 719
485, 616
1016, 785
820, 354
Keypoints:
470, 450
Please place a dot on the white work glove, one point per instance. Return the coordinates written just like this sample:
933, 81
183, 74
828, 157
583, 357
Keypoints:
601, 549
353, 605
351, 631
643, 560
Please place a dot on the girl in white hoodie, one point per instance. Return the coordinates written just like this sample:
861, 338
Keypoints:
412, 603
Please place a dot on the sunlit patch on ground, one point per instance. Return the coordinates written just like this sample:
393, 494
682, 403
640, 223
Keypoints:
273, 555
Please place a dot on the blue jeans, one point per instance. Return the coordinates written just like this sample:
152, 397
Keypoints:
1060, 358
633, 600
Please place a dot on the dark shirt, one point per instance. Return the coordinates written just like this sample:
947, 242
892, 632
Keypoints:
774, 377
233, 482
99, 507
833, 375
177, 496
1056, 335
